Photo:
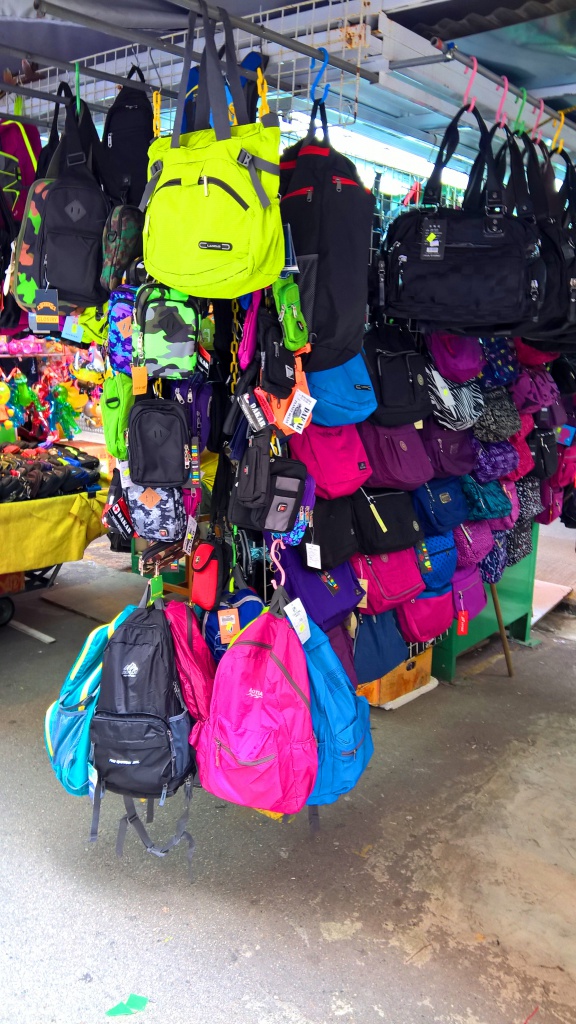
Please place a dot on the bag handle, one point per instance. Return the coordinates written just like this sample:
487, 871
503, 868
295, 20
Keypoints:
135, 70
63, 90
448, 146
317, 108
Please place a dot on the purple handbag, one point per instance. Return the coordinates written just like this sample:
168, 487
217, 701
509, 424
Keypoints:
328, 596
458, 359
450, 451
343, 646
473, 542
492, 567
535, 389
507, 522
397, 456
468, 592
551, 416
494, 460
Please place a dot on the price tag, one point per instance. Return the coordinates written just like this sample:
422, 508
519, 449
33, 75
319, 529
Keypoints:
313, 556
433, 240
125, 326
191, 528
139, 380
462, 625
228, 624
72, 330
295, 612
363, 602
156, 588
298, 411
419, 425
92, 781
46, 309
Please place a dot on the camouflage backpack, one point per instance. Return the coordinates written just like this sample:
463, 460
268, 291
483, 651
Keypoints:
157, 513
168, 323
121, 244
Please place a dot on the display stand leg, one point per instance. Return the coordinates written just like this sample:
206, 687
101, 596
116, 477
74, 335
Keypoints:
502, 630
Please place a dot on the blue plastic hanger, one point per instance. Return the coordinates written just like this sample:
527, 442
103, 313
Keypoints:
316, 82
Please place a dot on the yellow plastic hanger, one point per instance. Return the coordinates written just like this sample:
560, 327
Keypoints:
557, 142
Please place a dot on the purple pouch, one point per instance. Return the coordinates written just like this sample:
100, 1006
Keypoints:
328, 596
343, 647
195, 397
468, 591
494, 460
551, 416
535, 389
552, 499
450, 451
247, 347
473, 542
458, 359
397, 456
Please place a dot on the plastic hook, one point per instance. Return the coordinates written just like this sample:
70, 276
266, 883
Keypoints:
316, 82
278, 543
537, 122
557, 142
469, 101
501, 115
519, 125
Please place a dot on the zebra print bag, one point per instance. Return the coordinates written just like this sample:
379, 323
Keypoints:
455, 406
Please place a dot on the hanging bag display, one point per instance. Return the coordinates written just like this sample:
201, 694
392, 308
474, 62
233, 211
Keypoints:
485, 501
169, 328
213, 226
343, 394
494, 460
158, 443
116, 401
542, 444
334, 456
451, 452
458, 359
459, 268
126, 136
398, 373
455, 406
384, 521
440, 505
378, 646
501, 366
389, 579
468, 591
329, 596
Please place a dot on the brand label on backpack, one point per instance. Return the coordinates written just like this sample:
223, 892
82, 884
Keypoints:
297, 615
224, 246
131, 670
433, 240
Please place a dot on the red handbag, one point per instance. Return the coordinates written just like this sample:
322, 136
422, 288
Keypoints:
211, 568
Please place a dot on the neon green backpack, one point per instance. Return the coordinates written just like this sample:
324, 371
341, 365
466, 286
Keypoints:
213, 226
117, 400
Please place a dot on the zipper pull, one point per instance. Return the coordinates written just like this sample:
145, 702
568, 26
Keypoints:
162, 799
338, 184
109, 140
178, 396
205, 180
309, 196
218, 745
381, 280
282, 313
401, 261
534, 296
572, 307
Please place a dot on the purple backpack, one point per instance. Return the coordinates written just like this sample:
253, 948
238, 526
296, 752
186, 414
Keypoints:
535, 389
494, 460
303, 519
397, 456
492, 567
450, 451
195, 395
458, 359
468, 591
473, 542
328, 596
120, 311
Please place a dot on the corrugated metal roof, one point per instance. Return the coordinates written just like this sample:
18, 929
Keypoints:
453, 19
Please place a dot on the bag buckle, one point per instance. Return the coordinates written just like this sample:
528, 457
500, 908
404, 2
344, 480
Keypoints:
245, 158
494, 205
75, 158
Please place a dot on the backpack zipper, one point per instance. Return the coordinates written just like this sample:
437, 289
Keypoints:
352, 753
206, 179
245, 764
301, 192
338, 181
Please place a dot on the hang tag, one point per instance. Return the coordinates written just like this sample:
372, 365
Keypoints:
137, 343
191, 528
46, 309
156, 588
290, 260
139, 380
125, 326
32, 323
378, 518
228, 624
295, 612
313, 560
195, 462
72, 330
252, 411
363, 602
433, 239
462, 626
419, 425
299, 411
92, 781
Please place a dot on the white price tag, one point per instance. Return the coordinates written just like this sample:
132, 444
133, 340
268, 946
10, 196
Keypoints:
313, 556
191, 528
298, 411
295, 612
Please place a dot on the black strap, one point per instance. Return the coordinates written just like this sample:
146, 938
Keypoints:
314, 819
98, 794
136, 70
448, 147
63, 90
317, 108
132, 818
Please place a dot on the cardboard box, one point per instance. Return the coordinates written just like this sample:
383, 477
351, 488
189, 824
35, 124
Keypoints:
404, 679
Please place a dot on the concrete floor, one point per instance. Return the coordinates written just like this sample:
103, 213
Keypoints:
443, 889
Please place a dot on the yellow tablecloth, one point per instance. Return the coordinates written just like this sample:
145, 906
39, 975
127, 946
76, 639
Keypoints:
35, 534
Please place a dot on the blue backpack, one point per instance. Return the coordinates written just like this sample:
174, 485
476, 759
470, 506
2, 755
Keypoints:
341, 721
344, 394
442, 557
67, 722
249, 606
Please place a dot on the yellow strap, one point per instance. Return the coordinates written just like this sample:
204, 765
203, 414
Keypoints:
156, 104
26, 140
378, 518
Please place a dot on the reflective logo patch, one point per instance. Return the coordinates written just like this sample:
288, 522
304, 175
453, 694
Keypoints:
225, 246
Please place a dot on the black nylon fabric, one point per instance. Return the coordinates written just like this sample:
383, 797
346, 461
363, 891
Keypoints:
127, 135
397, 371
395, 510
158, 436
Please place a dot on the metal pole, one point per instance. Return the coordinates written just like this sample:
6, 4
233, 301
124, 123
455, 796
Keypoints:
23, 120
64, 65
48, 97
416, 62
275, 37
502, 630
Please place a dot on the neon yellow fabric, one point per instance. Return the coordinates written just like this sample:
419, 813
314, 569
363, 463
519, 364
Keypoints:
36, 534
206, 231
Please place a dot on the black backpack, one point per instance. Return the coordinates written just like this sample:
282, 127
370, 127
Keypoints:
398, 374
139, 732
465, 269
127, 135
330, 216
10, 311
158, 443
49, 150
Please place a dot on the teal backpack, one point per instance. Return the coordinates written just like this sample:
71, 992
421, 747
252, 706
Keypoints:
340, 719
67, 722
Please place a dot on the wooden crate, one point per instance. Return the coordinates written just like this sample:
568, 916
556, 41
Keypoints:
405, 678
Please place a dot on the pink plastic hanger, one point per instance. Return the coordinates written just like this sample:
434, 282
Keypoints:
501, 115
467, 101
538, 119
278, 543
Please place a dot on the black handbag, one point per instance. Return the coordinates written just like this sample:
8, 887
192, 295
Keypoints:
384, 521
542, 444
468, 269
332, 530
398, 374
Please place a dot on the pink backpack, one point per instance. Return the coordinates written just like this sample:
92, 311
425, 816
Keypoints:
247, 347
390, 579
20, 147
334, 456
196, 666
566, 471
257, 747
458, 359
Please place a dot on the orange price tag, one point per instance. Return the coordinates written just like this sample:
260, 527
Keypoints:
139, 380
229, 624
